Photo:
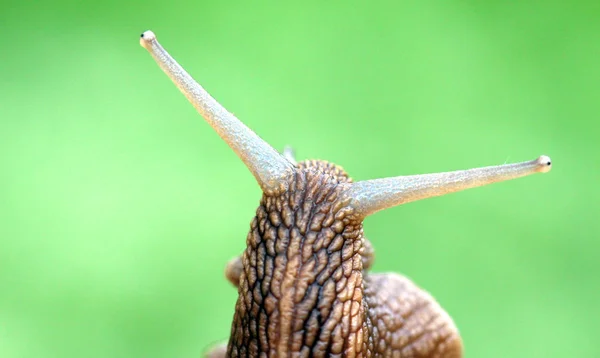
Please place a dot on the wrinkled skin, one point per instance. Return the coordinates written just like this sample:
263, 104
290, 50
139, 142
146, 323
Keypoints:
304, 289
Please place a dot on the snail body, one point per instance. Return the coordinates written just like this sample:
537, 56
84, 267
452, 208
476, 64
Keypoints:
304, 286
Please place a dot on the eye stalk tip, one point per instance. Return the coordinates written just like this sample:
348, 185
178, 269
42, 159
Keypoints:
146, 38
544, 164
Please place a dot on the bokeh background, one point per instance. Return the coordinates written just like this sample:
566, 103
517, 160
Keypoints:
120, 206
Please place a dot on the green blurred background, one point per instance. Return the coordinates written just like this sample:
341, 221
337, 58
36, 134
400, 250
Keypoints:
120, 206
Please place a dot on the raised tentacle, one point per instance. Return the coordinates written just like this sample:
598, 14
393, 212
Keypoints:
268, 166
371, 196
289, 154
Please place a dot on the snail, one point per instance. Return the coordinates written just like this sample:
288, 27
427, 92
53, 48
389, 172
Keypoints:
304, 289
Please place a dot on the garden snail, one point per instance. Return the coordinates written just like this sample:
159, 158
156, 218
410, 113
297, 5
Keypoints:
304, 289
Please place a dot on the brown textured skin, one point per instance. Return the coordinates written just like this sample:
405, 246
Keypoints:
304, 290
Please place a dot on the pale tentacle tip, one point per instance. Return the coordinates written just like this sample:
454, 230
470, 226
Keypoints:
146, 38
289, 154
544, 164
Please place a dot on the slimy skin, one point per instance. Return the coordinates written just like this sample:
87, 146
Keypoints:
304, 289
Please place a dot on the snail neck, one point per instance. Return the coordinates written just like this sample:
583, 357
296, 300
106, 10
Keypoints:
302, 282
